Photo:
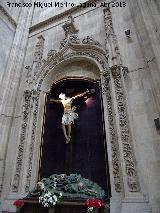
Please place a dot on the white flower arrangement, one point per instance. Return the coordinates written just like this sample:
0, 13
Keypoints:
90, 209
48, 199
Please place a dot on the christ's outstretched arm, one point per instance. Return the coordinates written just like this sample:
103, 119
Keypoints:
82, 94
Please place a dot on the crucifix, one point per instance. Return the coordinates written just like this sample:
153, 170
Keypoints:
68, 119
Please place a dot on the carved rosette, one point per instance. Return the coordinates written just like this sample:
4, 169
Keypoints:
31, 146
106, 90
128, 154
19, 160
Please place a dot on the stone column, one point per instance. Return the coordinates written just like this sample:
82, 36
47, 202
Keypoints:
108, 99
115, 169
26, 112
31, 146
131, 188
10, 109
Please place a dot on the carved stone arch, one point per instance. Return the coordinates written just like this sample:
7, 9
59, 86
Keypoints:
70, 53
62, 71
34, 106
88, 55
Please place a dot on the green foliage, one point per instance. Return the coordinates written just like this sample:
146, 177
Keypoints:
73, 186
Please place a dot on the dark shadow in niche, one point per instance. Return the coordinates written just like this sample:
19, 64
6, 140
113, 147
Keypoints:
89, 155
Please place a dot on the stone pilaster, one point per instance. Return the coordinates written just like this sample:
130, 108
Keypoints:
107, 98
31, 142
19, 160
9, 107
124, 137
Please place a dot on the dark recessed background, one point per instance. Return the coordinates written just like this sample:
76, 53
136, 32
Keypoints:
89, 157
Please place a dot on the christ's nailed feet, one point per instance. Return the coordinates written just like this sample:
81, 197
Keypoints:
68, 139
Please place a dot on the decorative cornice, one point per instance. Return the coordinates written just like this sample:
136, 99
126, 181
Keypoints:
6, 14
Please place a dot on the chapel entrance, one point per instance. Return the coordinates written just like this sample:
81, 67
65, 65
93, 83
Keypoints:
87, 152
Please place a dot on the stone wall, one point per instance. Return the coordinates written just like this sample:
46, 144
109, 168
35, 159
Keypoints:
7, 32
6, 37
140, 53
41, 14
12, 11
14, 35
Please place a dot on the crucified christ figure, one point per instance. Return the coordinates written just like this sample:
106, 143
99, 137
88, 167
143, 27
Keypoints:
69, 113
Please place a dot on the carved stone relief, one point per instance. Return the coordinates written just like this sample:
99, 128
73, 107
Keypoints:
106, 89
111, 39
89, 48
51, 53
118, 72
53, 60
28, 75
90, 40
26, 110
73, 39
38, 54
105, 73
69, 27
130, 167
31, 146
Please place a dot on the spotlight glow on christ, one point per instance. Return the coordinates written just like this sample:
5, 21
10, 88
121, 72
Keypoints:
89, 102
